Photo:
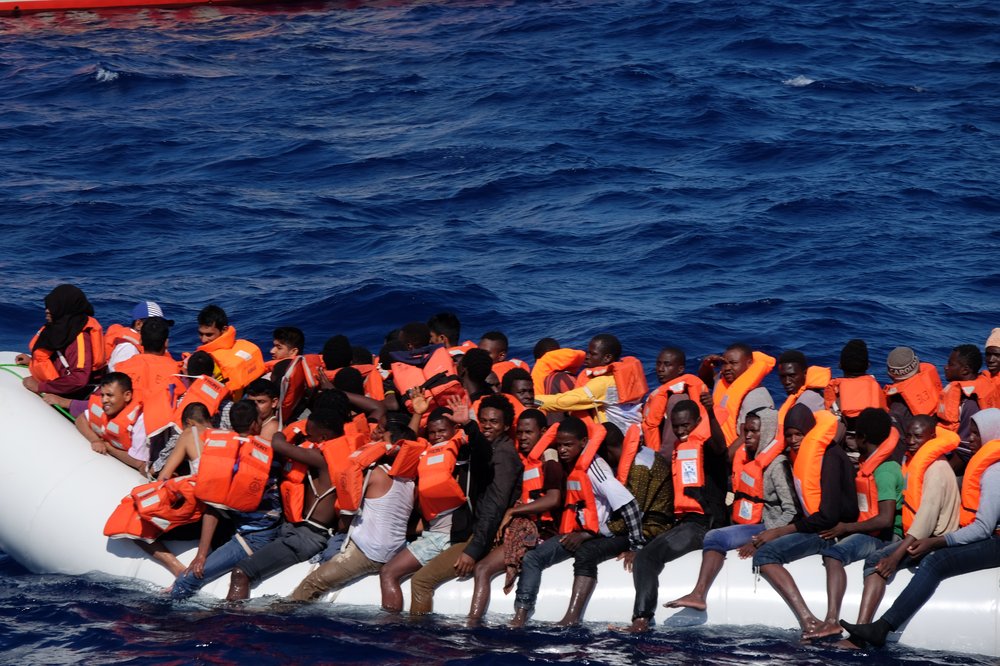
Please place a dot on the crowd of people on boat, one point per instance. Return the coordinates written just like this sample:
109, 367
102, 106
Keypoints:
438, 458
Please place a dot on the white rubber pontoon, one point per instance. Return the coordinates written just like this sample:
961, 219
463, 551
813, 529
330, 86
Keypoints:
57, 495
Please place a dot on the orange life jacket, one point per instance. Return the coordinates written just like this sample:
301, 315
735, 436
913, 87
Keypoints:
117, 431
748, 481
206, 390
817, 377
630, 448
971, 481
950, 406
351, 481
864, 482
43, 367
729, 397
154, 508
557, 360
503, 367
438, 376
688, 466
295, 432
292, 486
233, 470
655, 409
921, 392
944, 442
460, 350
375, 384
358, 427
156, 385
438, 490
117, 334
852, 395
579, 503
303, 373
808, 467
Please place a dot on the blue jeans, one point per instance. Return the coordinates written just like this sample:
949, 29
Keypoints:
941, 564
790, 548
535, 561
854, 548
725, 539
221, 561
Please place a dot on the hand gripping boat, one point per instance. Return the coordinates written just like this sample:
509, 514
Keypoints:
57, 494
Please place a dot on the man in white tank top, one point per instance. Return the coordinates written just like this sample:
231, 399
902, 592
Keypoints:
377, 534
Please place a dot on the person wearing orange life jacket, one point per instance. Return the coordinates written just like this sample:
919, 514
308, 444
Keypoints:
252, 529
540, 505
825, 483
378, 530
802, 382
68, 350
123, 342
610, 387
648, 478
495, 472
966, 392
973, 547
496, 345
264, 393
915, 387
299, 541
847, 396
766, 501
879, 483
675, 386
156, 383
738, 388
517, 384
991, 354
931, 507
238, 361
591, 483
444, 524
798, 422
699, 467
555, 368
113, 422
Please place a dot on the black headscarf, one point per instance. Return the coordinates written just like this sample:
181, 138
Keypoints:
801, 418
70, 309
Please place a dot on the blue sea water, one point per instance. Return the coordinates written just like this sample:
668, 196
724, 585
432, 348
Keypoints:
790, 174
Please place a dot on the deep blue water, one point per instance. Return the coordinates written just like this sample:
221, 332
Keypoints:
791, 174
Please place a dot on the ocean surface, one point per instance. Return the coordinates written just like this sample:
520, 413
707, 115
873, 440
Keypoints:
789, 174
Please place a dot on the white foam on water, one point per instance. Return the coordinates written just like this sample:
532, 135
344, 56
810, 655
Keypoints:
799, 81
105, 75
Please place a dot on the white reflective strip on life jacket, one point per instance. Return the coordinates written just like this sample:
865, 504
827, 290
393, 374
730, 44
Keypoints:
530, 474
97, 411
574, 485
113, 428
216, 442
162, 523
150, 501
678, 387
259, 455
210, 392
687, 454
747, 479
434, 460
245, 355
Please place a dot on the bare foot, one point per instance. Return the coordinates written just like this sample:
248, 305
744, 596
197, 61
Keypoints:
640, 625
566, 623
823, 630
520, 618
692, 600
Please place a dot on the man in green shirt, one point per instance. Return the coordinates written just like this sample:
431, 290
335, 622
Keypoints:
858, 540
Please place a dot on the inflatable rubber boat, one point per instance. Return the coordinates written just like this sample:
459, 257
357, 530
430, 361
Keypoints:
57, 495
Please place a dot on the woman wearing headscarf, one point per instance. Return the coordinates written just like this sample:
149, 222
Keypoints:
68, 348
